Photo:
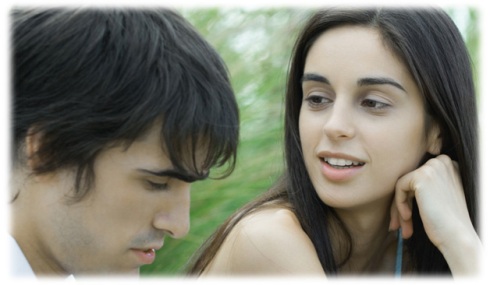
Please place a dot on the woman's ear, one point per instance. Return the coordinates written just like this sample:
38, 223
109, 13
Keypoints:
434, 139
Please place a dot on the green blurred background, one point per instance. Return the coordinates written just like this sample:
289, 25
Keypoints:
256, 45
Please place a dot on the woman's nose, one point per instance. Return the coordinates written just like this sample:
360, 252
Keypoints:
339, 122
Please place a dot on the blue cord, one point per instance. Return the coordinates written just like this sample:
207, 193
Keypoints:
399, 255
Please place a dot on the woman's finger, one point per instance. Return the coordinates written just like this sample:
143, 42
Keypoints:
404, 195
394, 217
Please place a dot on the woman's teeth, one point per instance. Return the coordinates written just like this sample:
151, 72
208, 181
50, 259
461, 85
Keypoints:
339, 162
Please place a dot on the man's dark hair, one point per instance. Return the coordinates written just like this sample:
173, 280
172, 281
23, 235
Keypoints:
85, 80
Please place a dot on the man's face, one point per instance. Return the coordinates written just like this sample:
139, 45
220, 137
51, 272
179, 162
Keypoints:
136, 200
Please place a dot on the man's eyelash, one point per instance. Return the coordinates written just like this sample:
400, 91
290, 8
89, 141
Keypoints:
158, 186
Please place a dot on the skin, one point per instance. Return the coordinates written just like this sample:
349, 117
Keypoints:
380, 125
130, 208
361, 104
450, 231
268, 242
371, 113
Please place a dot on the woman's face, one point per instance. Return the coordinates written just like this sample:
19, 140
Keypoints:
362, 119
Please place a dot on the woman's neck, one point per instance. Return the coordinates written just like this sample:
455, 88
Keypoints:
373, 246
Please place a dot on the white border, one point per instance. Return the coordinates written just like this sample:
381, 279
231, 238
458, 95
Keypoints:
484, 114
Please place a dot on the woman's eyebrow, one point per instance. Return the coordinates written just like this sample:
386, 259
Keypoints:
361, 82
380, 81
314, 77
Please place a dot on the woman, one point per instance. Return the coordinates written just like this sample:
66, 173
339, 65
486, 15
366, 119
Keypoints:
381, 153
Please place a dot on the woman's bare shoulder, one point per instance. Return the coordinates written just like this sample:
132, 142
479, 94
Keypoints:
269, 241
265, 221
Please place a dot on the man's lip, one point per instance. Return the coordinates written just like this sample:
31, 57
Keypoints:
155, 246
146, 248
324, 154
144, 256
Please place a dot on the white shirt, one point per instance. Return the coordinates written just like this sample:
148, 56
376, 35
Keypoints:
19, 266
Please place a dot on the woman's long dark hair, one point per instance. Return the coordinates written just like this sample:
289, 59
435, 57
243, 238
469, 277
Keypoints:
432, 48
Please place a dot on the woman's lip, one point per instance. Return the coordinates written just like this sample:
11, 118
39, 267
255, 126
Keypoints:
339, 155
335, 174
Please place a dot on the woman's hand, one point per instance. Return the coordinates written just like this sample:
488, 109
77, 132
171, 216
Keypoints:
437, 188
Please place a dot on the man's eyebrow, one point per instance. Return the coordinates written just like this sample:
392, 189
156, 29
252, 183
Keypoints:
314, 77
187, 177
380, 81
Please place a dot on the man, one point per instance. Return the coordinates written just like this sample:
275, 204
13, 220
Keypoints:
115, 113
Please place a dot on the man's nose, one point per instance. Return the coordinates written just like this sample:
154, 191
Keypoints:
173, 215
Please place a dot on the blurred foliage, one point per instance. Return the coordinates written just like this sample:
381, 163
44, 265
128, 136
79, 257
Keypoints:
468, 24
256, 46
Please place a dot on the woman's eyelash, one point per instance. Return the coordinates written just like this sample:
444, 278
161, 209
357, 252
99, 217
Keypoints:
374, 104
317, 100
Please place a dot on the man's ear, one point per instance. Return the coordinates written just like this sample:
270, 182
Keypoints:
434, 139
32, 145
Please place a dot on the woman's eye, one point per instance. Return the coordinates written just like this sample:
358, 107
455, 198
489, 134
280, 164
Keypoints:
315, 101
374, 104
157, 186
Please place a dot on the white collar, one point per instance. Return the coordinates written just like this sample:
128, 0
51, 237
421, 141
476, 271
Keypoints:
19, 266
